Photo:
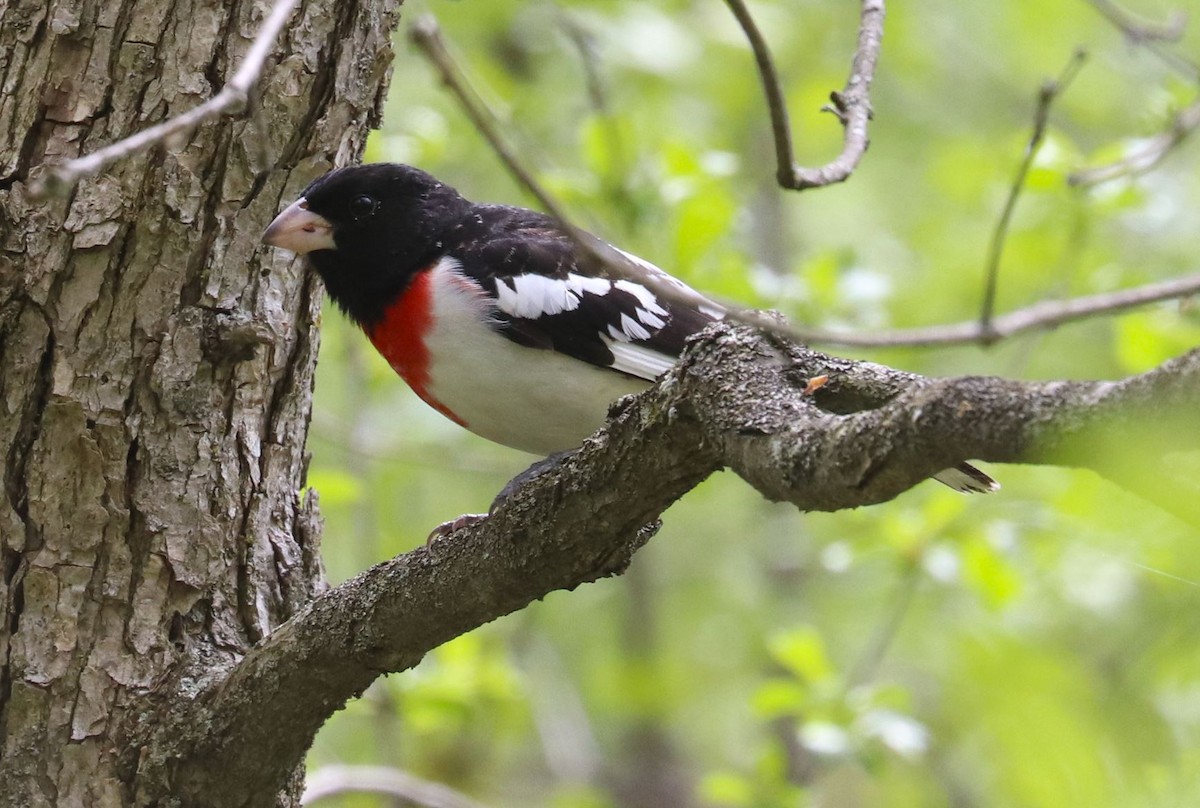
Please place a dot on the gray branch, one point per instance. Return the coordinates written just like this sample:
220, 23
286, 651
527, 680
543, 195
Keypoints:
231, 100
852, 105
335, 781
735, 400
1045, 314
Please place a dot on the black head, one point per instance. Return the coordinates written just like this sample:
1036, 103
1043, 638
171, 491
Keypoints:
368, 229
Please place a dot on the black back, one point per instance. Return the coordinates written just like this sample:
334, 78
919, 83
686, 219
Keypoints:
500, 243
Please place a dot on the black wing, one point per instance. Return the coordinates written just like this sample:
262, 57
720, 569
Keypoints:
623, 313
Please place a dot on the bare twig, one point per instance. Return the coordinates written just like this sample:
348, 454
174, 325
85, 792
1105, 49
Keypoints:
231, 100
896, 608
1049, 92
426, 34
1152, 36
1148, 154
1140, 31
1046, 314
333, 781
589, 58
852, 105
616, 176
1153, 150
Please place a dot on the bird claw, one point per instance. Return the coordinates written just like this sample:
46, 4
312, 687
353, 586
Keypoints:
467, 519
446, 528
539, 468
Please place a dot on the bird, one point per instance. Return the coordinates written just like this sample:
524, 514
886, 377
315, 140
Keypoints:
498, 317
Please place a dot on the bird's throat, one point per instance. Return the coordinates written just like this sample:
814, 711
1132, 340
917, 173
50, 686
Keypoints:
399, 336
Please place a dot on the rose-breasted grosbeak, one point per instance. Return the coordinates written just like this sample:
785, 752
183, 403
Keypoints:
493, 314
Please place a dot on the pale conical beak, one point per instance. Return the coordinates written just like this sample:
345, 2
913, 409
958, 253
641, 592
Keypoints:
300, 230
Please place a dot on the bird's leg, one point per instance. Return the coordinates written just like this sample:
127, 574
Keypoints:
538, 468
467, 519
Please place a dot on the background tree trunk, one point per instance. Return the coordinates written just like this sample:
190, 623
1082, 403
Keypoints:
155, 367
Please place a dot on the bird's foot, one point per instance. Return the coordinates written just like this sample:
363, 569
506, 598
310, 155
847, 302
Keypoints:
467, 519
446, 528
539, 468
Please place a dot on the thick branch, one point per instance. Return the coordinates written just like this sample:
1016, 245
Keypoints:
735, 400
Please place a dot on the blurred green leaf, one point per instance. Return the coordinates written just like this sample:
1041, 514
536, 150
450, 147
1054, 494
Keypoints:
1145, 339
336, 487
778, 697
802, 652
987, 572
726, 789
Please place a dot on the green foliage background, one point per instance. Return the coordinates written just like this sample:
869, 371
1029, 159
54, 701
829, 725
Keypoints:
1034, 648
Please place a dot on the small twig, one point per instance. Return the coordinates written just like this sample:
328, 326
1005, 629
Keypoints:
1044, 315
1153, 150
1141, 31
427, 35
616, 178
333, 781
1049, 92
895, 610
589, 59
1149, 154
1154, 37
231, 100
780, 127
852, 105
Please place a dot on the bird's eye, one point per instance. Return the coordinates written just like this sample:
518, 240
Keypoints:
362, 206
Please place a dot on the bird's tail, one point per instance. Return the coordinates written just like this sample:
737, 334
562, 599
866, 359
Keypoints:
966, 478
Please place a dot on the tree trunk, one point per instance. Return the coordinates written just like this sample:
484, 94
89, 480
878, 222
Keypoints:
155, 369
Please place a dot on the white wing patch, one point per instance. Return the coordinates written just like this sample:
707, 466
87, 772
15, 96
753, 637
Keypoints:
698, 300
649, 310
645, 296
632, 328
637, 360
533, 296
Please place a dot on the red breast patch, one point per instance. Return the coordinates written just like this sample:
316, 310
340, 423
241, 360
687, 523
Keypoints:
400, 339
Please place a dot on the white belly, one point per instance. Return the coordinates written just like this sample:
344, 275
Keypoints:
531, 399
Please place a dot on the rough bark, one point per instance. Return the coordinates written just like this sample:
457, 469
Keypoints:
155, 370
